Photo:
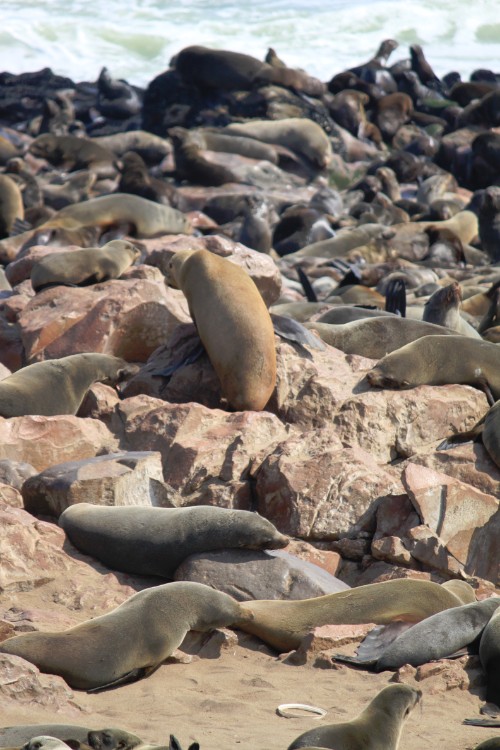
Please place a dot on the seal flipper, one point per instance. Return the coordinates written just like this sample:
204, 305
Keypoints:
290, 329
374, 644
355, 661
192, 355
306, 286
19, 227
133, 676
395, 297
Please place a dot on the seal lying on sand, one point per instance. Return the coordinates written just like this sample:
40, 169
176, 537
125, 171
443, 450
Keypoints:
58, 386
130, 641
86, 266
378, 726
154, 541
233, 323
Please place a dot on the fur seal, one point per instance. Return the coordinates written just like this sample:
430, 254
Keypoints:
17, 735
58, 386
283, 624
86, 266
137, 216
233, 323
489, 654
374, 337
438, 360
487, 430
11, 205
131, 640
443, 309
377, 727
136, 180
299, 134
71, 152
44, 742
154, 541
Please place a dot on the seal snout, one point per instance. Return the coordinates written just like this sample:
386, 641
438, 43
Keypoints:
279, 541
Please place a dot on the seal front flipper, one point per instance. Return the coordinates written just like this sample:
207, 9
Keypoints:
133, 676
191, 356
395, 297
463, 437
292, 330
355, 661
306, 285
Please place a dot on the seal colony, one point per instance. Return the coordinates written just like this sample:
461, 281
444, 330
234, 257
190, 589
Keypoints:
378, 188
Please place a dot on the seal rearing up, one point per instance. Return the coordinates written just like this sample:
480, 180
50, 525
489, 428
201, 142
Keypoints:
233, 323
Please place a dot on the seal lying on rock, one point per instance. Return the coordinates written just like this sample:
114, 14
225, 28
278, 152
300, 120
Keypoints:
378, 726
154, 541
233, 323
283, 624
58, 386
86, 266
130, 641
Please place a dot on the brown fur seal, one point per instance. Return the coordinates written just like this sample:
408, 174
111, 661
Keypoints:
443, 309
438, 360
137, 216
283, 624
58, 386
374, 337
377, 727
101, 739
131, 640
136, 180
71, 152
299, 134
11, 205
86, 266
233, 323
154, 541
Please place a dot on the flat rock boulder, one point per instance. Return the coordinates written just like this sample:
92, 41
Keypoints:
207, 454
129, 318
116, 479
248, 574
313, 488
465, 520
44, 441
21, 683
396, 424
259, 266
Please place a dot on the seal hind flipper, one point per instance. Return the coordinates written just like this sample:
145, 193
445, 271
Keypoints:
482, 722
19, 226
292, 330
306, 285
193, 354
353, 276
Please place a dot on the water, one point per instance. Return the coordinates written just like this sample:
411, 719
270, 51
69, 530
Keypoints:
135, 39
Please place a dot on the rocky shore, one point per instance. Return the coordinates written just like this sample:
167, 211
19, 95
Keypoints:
372, 191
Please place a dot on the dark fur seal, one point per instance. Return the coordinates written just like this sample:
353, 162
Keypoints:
58, 386
154, 541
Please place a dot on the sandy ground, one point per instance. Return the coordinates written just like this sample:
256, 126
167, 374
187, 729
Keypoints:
231, 701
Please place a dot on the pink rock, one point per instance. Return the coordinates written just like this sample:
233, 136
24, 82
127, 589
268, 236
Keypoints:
127, 318
207, 454
394, 424
451, 509
313, 488
426, 547
21, 683
45, 441
323, 558
259, 266
10, 496
391, 549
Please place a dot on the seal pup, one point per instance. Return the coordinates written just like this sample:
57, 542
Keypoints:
377, 727
233, 323
130, 641
154, 541
58, 386
283, 624
86, 266
438, 360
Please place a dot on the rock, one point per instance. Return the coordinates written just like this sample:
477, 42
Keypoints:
116, 479
45, 441
311, 487
323, 558
260, 266
21, 683
207, 454
11, 497
127, 318
252, 574
393, 424
15, 473
100, 401
464, 520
